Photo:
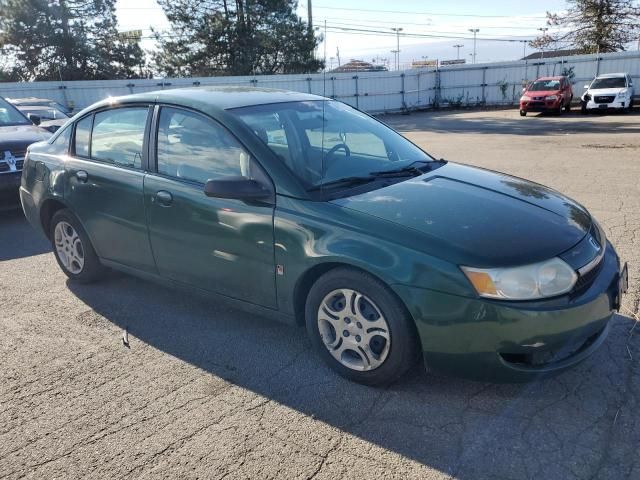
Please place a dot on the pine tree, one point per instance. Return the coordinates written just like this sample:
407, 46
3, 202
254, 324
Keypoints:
234, 37
68, 39
594, 26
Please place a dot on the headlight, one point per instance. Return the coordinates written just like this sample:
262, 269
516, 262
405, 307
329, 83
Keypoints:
586, 97
524, 98
551, 97
622, 94
539, 280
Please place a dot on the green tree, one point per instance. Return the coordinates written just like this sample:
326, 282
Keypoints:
234, 37
68, 39
594, 26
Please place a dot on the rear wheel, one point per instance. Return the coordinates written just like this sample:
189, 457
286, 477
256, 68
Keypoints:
72, 248
523, 113
583, 109
359, 328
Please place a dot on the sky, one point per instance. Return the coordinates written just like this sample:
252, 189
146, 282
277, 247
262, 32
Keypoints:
495, 19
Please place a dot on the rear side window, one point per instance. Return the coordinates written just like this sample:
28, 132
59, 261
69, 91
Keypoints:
118, 136
195, 148
83, 134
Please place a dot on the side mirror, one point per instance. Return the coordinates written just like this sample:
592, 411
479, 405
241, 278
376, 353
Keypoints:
35, 119
238, 188
586, 86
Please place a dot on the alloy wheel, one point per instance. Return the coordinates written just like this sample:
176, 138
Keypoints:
69, 247
354, 330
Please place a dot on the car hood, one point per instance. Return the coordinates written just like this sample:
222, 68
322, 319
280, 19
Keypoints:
542, 93
19, 137
478, 217
605, 91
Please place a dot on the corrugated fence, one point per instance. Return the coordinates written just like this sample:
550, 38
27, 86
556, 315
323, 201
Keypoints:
375, 92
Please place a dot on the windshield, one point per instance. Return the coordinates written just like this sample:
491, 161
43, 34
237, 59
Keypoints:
9, 115
611, 82
542, 85
326, 141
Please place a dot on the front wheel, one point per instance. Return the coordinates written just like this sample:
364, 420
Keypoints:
523, 113
72, 248
359, 327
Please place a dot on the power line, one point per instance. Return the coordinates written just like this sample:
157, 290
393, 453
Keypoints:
404, 12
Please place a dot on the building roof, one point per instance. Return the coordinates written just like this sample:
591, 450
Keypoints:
552, 54
359, 66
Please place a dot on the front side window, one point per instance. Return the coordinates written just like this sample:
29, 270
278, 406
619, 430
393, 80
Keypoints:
195, 148
118, 136
83, 134
325, 141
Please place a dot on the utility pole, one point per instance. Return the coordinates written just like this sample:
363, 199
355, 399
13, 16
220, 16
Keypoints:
397, 50
338, 55
310, 14
544, 33
475, 32
458, 47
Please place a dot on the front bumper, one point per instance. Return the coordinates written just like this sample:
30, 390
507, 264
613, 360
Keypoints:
514, 341
615, 105
9, 185
540, 105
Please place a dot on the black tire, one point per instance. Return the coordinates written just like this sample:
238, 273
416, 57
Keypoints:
583, 109
404, 347
523, 113
92, 269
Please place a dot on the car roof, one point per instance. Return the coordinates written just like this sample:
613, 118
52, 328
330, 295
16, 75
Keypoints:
612, 75
558, 77
214, 98
29, 99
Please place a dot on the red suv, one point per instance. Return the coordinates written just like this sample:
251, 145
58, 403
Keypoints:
547, 94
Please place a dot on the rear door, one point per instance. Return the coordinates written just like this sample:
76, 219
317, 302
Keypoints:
104, 185
219, 245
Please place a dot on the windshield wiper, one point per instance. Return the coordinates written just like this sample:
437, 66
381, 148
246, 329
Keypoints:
344, 182
401, 172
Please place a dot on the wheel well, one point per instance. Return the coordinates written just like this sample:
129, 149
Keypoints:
48, 209
302, 288
305, 283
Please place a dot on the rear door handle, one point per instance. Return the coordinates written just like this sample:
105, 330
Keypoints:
82, 176
164, 198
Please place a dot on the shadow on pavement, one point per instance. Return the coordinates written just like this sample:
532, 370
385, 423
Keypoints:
469, 121
579, 424
18, 239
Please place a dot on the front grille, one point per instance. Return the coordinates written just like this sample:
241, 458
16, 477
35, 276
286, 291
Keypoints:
19, 164
4, 167
536, 104
604, 98
16, 155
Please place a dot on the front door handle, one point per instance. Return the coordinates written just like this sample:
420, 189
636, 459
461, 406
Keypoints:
164, 198
82, 176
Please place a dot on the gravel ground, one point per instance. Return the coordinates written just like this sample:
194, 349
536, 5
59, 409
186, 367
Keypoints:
208, 392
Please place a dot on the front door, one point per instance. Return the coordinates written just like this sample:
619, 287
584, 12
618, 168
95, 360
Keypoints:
220, 245
104, 184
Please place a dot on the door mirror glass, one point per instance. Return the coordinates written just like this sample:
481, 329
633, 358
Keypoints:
239, 188
586, 86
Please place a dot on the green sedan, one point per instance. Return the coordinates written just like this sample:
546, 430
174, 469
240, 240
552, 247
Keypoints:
303, 209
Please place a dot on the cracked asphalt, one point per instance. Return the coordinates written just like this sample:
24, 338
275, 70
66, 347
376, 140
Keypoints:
204, 391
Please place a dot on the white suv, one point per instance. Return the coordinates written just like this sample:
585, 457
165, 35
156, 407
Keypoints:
613, 90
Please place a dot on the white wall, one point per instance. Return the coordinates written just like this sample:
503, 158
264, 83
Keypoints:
370, 91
